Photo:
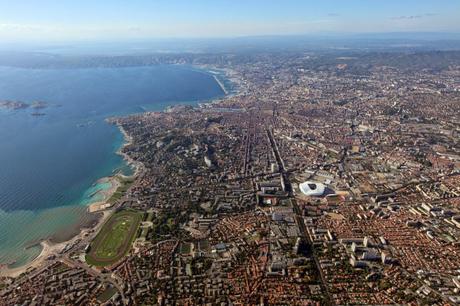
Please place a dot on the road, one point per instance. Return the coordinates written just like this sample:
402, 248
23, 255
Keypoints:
299, 219
115, 282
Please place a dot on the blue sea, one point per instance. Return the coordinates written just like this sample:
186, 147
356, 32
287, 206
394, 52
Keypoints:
49, 164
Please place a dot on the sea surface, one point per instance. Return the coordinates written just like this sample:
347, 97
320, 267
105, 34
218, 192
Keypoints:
49, 164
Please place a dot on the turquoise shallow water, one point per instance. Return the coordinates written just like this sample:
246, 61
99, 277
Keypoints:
49, 164
93, 193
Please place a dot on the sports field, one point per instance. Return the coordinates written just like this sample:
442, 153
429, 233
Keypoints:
114, 239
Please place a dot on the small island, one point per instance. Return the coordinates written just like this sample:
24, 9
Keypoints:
13, 105
39, 105
19, 105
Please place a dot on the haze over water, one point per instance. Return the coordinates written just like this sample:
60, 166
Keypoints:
49, 164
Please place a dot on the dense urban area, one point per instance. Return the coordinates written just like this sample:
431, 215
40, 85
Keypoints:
320, 179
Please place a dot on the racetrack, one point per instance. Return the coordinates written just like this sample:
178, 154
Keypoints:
114, 239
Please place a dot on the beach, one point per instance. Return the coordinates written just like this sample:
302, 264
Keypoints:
106, 194
51, 250
96, 214
220, 84
43, 213
91, 222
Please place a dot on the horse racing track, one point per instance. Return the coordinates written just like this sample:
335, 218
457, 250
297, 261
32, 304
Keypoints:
114, 239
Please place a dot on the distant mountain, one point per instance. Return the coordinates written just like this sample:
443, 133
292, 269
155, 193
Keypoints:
398, 41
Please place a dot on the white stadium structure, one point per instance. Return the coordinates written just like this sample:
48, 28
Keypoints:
312, 189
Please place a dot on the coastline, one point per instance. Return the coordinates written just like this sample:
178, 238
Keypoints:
99, 210
53, 245
51, 250
128, 140
48, 248
220, 84
225, 73
100, 205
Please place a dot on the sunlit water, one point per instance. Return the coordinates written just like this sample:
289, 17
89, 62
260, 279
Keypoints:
49, 164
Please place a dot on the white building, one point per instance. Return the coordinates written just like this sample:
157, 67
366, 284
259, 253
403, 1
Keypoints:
312, 189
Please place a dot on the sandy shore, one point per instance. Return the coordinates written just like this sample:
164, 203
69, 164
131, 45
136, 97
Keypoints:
220, 84
49, 249
97, 214
138, 167
101, 205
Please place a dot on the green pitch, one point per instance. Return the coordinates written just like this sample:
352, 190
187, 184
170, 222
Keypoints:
114, 239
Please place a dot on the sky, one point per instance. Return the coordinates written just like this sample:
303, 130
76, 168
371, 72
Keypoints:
75, 20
